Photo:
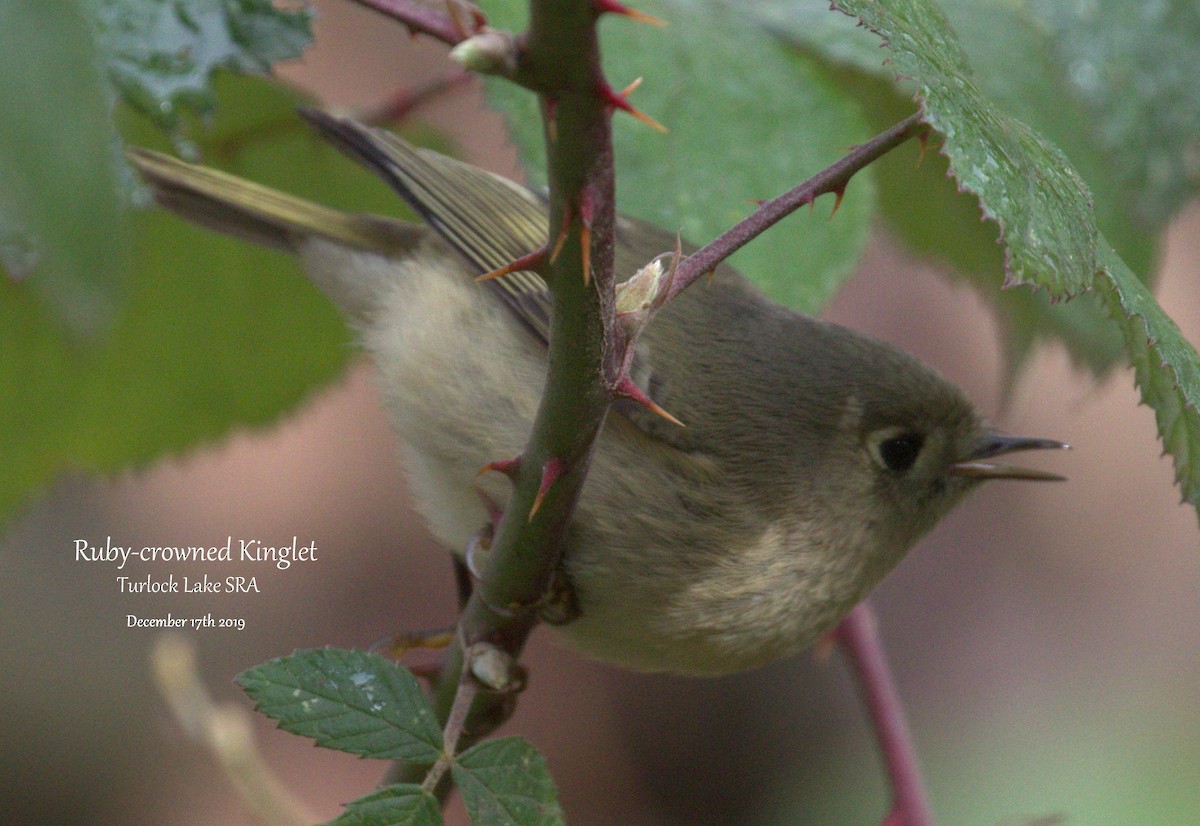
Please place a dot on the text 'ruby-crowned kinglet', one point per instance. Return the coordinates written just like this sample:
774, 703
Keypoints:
811, 460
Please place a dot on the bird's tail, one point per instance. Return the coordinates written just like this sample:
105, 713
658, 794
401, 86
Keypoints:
266, 216
257, 213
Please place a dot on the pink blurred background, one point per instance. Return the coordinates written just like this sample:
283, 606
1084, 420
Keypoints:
1046, 638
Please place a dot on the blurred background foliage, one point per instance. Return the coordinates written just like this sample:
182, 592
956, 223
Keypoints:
1047, 647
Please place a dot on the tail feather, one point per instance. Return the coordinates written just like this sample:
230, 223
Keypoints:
488, 220
257, 213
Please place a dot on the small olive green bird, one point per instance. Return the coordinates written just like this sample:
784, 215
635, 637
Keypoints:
811, 460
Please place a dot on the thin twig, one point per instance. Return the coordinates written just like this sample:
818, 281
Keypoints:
830, 179
858, 636
456, 722
419, 19
226, 731
402, 102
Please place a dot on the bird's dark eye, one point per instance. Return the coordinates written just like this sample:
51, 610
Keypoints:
899, 453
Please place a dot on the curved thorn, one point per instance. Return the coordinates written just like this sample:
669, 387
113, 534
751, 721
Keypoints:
587, 209
638, 114
618, 101
561, 239
509, 467
613, 7
626, 389
531, 261
838, 194
552, 471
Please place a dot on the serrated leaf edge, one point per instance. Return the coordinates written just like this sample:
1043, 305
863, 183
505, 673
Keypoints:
980, 100
1177, 410
317, 658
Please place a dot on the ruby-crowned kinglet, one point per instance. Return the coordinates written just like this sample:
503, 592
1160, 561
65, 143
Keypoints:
811, 460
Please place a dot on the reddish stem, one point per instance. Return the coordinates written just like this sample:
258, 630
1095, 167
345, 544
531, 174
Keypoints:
419, 19
858, 636
830, 179
404, 101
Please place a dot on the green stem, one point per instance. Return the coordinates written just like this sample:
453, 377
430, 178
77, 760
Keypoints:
559, 58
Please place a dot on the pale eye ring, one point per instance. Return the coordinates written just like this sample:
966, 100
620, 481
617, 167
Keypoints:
898, 451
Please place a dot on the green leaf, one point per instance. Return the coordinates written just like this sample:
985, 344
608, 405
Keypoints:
748, 119
161, 54
403, 804
1010, 51
62, 178
837, 38
347, 700
1166, 367
1018, 61
1012, 54
1133, 68
212, 333
59, 163
504, 782
1023, 182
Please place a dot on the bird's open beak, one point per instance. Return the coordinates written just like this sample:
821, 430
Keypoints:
997, 444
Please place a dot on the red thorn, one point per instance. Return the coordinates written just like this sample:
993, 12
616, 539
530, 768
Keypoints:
626, 389
618, 101
922, 142
585, 244
478, 18
758, 201
552, 471
612, 98
838, 194
509, 467
558, 245
458, 26
561, 239
587, 209
530, 261
587, 205
613, 7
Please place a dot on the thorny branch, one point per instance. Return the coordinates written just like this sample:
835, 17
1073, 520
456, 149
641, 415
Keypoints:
559, 58
420, 19
832, 179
